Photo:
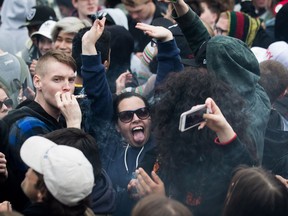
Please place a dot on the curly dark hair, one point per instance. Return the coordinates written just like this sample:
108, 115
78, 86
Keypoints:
178, 94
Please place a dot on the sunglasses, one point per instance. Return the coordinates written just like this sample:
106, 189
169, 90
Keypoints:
8, 103
127, 116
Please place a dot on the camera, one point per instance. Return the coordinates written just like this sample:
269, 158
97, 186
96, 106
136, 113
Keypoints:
192, 117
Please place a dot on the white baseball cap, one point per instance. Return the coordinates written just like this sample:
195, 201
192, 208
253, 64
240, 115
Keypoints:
277, 51
45, 29
67, 174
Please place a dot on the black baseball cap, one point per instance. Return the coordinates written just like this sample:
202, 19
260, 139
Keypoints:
38, 15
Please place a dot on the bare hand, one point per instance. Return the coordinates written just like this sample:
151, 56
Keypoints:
70, 109
146, 185
217, 122
3, 168
33, 66
90, 38
158, 32
121, 81
132, 189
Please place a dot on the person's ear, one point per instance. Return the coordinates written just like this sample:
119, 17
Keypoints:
37, 82
75, 3
40, 195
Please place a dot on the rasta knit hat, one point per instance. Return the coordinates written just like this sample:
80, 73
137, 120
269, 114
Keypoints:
242, 26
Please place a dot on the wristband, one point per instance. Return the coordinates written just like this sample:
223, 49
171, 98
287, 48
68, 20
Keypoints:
217, 141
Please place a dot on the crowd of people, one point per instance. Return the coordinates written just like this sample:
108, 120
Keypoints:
100, 107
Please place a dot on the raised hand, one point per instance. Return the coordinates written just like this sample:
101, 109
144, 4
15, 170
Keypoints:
121, 81
33, 66
158, 32
90, 38
146, 185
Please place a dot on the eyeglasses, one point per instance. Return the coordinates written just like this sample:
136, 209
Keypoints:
219, 30
8, 103
127, 116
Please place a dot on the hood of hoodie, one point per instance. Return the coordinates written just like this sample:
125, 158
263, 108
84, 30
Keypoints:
233, 62
14, 12
103, 195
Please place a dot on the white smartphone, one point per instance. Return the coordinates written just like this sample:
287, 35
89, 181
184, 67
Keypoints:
192, 117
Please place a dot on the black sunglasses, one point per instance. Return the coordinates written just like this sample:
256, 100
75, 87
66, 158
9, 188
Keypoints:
8, 103
127, 116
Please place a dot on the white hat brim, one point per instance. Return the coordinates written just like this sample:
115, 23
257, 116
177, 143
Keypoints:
33, 150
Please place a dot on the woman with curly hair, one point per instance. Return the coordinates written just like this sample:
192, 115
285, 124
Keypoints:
196, 165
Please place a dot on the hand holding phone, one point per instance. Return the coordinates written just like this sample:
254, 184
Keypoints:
192, 117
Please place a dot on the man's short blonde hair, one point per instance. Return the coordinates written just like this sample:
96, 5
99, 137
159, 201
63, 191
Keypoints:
54, 55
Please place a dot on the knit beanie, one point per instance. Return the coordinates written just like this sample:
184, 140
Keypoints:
242, 26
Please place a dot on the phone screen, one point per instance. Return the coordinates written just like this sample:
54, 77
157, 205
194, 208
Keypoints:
194, 118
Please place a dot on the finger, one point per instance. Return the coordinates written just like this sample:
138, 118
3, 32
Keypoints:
210, 103
102, 21
211, 117
3, 164
125, 74
58, 98
156, 178
128, 80
66, 97
9, 206
143, 26
140, 189
147, 185
146, 178
202, 125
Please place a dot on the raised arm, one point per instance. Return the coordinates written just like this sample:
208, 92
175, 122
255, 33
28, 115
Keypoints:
93, 73
190, 24
168, 53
